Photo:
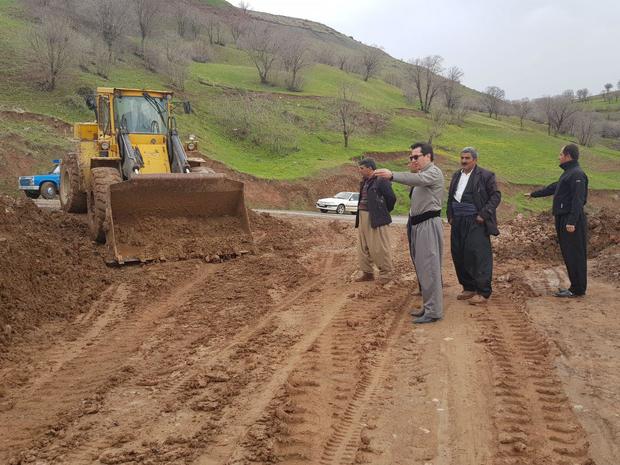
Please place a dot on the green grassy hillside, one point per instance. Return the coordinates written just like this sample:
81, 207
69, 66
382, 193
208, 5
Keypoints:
272, 133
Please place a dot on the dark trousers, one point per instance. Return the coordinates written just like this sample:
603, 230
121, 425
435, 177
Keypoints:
471, 254
574, 247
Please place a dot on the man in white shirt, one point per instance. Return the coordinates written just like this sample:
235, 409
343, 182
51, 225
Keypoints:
472, 200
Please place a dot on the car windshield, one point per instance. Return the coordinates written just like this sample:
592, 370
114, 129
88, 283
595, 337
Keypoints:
137, 115
56, 170
342, 195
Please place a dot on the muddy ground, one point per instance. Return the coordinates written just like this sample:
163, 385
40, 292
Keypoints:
278, 357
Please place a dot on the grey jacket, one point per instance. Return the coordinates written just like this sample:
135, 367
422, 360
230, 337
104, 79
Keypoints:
428, 187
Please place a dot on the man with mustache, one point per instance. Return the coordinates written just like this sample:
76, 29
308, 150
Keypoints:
473, 198
424, 228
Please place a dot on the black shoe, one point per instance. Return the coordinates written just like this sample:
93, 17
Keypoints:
425, 319
416, 313
564, 293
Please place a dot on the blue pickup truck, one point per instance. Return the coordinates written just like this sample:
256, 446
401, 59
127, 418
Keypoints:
44, 185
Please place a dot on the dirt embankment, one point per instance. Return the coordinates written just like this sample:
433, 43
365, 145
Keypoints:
49, 270
535, 237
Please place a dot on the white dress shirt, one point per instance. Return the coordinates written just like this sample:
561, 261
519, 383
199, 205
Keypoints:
460, 188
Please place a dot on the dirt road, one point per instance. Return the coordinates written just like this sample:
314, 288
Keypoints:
279, 358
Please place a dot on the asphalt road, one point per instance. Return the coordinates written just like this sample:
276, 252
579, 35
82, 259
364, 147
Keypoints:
55, 205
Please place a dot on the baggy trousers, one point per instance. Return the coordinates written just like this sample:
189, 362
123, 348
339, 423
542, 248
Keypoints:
426, 247
574, 247
471, 253
373, 246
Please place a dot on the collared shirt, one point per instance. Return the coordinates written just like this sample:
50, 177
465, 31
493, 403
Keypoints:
427, 194
460, 188
363, 202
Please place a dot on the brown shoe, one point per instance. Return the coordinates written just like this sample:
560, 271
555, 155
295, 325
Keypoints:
384, 279
365, 277
465, 295
478, 300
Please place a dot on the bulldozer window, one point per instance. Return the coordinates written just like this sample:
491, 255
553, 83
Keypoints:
104, 115
137, 115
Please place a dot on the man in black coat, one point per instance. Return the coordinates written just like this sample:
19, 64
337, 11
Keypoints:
473, 198
376, 201
570, 194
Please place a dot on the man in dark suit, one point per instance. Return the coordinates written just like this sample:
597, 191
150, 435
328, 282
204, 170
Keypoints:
473, 198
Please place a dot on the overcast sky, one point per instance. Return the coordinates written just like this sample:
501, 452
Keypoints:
529, 48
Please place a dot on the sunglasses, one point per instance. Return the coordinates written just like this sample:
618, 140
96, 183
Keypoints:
415, 157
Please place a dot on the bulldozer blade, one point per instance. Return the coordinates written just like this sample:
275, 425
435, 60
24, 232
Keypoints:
177, 216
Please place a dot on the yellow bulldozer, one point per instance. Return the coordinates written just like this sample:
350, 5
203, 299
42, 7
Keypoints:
145, 198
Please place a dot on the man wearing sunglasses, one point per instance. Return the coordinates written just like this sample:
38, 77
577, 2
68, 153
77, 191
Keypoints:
424, 228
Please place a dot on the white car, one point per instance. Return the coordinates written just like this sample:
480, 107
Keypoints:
340, 203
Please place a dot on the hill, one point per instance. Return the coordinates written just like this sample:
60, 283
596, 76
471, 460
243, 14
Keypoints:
265, 131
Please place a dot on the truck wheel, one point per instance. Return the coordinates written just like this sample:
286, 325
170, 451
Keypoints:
32, 194
98, 198
48, 190
340, 209
72, 200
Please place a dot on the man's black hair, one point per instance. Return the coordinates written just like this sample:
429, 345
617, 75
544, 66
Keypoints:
368, 163
425, 148
572, 150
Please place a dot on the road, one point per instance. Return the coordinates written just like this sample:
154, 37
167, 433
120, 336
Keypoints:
55, 205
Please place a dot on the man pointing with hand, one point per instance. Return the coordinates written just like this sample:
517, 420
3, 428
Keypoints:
570, 194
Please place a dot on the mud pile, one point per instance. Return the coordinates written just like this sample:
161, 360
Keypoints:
48, 267
535, 237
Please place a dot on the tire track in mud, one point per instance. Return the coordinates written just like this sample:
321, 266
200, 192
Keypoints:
317, 417
533, 417
343, 443
185, 401
94, 364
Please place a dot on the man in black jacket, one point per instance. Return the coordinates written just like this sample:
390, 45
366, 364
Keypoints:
473, 198
570, 194
376, 201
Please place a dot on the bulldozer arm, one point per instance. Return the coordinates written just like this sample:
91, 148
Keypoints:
177, 216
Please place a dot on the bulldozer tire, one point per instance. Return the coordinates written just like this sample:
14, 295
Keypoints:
101, 178
72, 200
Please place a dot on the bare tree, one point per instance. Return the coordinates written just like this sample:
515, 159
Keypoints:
111, 19
492, 99
425, 75
147, 11
238, 26
244, 6
584, 127
437, 121
176, 63
293, 54
262, 47
608, 88
451, 89
325, 55
582, 94
559, 112
347, 111
343, 62
215, 31
522, 108
371, 61
182, 20
52, 49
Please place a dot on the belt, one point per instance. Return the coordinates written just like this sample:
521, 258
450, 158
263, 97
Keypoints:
417, 219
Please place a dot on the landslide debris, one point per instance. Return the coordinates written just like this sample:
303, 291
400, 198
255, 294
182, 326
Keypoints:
534, 237
48, 267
